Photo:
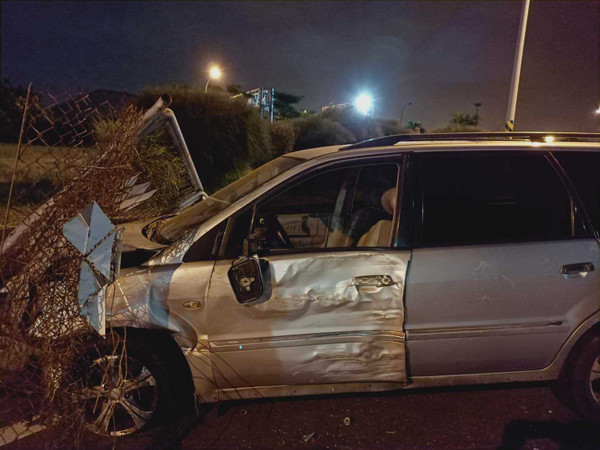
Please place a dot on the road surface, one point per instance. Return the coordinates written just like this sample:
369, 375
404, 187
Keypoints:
489, 417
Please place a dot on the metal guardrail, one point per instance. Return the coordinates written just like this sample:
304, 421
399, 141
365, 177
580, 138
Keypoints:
532, 136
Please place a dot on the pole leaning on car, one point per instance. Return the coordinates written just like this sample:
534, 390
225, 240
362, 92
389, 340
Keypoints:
509, 124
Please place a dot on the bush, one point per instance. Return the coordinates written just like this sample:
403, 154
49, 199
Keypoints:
361, 126
457, 129
390, 126
316, 131
11, 113
283, 136
225, 136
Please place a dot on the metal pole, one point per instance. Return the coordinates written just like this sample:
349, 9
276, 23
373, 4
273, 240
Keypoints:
402, 113
16, 163
509, 124
272, 102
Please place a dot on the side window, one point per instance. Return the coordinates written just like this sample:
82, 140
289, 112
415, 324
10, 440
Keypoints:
347, 207
475, 198
583, 169
207, 246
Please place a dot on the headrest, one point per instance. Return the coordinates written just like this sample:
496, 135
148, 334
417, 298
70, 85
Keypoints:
388, 200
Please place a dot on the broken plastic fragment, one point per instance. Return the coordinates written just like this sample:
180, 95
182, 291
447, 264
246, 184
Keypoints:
94, 235
87, 228
308, 437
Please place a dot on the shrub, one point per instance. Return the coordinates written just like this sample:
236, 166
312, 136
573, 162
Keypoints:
457, 129
225, 136
361, 126
316, 131
390, 126
283, 136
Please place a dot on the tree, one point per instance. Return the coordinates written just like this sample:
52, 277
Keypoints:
415, 125
11, 111
284, 105
465, 119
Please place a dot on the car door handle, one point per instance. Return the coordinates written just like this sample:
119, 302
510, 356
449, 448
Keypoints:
373, 280
572, 269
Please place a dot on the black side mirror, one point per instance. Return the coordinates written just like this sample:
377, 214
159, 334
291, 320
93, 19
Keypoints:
245, 277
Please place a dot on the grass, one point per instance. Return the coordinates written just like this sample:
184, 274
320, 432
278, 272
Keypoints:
40, 162
40, 173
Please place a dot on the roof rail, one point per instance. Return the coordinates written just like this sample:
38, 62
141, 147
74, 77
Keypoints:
533, 136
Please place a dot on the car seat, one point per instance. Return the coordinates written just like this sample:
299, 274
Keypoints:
379, 234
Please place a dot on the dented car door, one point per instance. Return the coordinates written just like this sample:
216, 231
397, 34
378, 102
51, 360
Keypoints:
332, 308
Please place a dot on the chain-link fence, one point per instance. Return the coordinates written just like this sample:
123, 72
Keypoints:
76, 164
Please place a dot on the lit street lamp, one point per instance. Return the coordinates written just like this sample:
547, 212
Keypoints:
214, 74
364, 104
402, 113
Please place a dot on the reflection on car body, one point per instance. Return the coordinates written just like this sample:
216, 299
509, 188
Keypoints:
378, 267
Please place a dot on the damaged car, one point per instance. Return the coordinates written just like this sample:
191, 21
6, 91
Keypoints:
397, 263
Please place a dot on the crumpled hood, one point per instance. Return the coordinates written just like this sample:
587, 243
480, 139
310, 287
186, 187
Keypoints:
133, 237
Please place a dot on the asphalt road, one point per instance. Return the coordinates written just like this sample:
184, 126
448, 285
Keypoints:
490, 417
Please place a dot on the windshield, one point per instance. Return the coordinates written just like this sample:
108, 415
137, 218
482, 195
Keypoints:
173, 228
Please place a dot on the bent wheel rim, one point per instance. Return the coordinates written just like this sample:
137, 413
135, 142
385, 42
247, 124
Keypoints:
120, 396
595, 380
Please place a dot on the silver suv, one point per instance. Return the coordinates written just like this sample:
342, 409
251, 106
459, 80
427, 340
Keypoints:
395, 263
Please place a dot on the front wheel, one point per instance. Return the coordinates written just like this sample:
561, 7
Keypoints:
130, 384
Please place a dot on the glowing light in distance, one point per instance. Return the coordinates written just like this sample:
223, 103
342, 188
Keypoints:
363, 103
215, 72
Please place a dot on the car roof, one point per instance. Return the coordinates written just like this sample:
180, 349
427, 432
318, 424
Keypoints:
459, 141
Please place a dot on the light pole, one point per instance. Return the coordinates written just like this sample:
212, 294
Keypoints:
509, 124
402, 113
214, 73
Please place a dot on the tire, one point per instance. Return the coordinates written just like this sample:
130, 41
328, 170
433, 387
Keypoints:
579, 384
134, 380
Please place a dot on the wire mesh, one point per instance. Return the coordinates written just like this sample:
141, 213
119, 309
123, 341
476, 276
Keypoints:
71, 152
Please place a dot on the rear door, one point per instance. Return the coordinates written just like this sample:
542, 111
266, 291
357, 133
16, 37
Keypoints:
333, 310
506, 265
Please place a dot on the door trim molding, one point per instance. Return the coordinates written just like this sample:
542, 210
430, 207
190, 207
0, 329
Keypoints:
305, 339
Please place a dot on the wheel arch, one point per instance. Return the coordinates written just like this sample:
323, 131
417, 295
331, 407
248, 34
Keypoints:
164, 344
589, 328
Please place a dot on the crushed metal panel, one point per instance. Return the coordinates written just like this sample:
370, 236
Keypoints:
360, 327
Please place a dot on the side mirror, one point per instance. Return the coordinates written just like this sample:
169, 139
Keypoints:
245, 277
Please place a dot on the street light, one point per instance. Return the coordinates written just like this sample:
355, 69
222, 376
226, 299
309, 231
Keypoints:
364, 104
402, 113
214, 74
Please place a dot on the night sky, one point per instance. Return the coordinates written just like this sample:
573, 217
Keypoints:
441, 55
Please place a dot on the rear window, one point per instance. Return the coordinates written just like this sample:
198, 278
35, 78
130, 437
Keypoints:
487, 198
583, 169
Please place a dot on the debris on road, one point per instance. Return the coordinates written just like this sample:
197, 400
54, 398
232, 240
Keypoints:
347, 421
308, 437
